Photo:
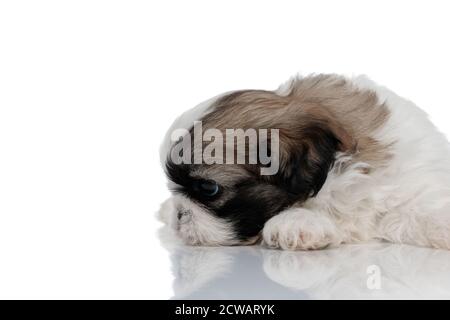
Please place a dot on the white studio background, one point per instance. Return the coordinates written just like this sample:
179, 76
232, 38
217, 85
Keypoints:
88, 88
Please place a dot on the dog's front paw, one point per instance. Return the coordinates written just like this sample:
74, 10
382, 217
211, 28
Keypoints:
299, 229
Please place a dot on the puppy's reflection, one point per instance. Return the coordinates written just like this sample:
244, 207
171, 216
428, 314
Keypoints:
405, 272
339, 273
221, 272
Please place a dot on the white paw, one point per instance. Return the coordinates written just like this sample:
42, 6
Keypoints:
299, 229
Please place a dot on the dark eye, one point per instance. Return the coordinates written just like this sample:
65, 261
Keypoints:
207, 188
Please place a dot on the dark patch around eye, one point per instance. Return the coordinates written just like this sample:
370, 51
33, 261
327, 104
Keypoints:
202, 190
253, 205
208, 188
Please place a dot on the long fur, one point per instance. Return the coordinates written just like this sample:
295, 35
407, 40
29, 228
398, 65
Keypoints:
396, 187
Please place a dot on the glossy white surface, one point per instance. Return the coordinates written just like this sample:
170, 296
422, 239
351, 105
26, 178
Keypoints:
366, 271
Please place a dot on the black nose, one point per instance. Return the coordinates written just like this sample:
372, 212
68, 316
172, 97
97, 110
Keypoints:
183, 213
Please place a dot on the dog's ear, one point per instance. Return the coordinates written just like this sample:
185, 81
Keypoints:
306, 155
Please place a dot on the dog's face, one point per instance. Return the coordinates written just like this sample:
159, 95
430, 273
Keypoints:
228, 204
222, 204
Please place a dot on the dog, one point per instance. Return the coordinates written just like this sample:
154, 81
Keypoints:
355, 162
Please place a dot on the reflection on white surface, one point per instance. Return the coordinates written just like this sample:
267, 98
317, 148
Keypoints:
347, 272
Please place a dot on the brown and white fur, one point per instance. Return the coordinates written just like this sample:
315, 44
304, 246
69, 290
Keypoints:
357, 162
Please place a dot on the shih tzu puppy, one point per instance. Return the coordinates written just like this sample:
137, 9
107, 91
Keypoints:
350, 161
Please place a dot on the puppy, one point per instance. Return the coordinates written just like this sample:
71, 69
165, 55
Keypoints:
353, 162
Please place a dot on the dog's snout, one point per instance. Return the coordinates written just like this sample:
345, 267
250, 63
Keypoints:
183, 213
